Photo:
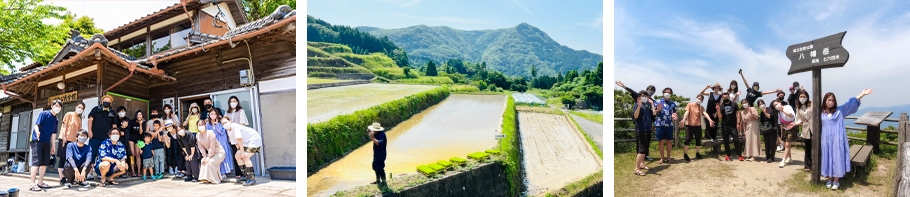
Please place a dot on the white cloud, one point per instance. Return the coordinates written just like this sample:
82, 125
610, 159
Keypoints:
874, 42
523, 7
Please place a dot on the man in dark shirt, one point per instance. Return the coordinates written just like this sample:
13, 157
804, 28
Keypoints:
40, 148
793, 95
378, 138
643, 115
209, 106
714, 99
650, 90
100, 121
770, 115
753, 93
727, 111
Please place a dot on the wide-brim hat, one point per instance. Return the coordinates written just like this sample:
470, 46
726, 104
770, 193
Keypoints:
194, 105
376, 127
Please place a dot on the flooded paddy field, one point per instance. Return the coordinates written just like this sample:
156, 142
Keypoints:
326, 103
457, 126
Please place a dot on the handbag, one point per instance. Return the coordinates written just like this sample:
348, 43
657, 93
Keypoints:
766, 128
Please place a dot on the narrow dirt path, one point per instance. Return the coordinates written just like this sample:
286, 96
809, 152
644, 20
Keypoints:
593, 129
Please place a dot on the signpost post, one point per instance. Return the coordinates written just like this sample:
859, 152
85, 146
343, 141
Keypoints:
813, 56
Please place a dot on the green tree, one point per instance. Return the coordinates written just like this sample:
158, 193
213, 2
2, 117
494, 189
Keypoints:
257, 9
533, 71
407, 72
431, 69
84, 24
23, 35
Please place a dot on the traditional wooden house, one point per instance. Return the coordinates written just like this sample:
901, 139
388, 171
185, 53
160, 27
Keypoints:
181, 54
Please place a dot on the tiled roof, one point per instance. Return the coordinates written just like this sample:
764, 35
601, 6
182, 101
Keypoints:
238, 14
281, 13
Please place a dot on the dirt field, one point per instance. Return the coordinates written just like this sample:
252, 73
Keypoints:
554, 152
326, 103
711, 176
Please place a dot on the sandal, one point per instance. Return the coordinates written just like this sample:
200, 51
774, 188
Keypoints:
639, 173
44, 186
113, 182
644, 167
661, 161
35, 188
102, 184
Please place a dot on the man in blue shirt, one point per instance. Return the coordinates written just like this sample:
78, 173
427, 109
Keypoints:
643, 116
40, 148
666, 116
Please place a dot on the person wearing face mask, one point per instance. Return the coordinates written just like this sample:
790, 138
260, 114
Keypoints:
643, 116
125, 134
192, 118
169, 114
137, 129
248, 143
78, 160
780, 141
789, 135
209, 106
223, 137
174, 155
212, 153
804, 116
727, 112
750, 130
650, 90
235, 112
121, 114
40, 146
100, 120
111, 159
692, 120
714, 99
666, 116
753, 93
835, 151
69, 128
767, 117
191, 155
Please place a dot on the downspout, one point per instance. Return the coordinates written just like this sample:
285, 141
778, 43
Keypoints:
132, 70
17, 96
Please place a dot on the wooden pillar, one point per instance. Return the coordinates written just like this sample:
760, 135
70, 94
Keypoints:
98, 80
873, 138
816, 125
902, 135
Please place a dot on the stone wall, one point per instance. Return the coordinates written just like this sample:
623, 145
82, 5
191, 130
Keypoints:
593, 190
486, 180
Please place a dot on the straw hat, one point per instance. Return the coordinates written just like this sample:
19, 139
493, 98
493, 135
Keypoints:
376, 127
194, 105
168, 123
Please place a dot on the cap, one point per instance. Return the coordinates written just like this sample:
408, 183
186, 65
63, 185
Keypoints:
755, 83
795, 84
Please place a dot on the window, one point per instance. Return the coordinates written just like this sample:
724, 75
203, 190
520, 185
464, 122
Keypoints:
161, 41
135, 47
179, 37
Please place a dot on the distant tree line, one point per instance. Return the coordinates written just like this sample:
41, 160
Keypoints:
360, 42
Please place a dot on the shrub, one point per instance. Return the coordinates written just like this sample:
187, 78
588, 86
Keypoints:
510, 146
332, 139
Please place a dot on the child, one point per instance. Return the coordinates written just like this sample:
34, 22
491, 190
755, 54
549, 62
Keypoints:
157, 143
148, 161
124, 132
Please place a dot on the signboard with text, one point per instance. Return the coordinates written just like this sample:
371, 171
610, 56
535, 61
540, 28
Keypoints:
65, 97
820, 53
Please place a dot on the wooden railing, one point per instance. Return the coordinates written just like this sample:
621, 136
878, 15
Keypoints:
902, 175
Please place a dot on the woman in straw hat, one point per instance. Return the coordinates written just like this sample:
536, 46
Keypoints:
377, 136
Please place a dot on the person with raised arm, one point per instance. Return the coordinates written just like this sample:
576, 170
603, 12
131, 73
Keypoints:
835, 151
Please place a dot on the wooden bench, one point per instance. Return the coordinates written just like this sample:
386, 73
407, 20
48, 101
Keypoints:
859, 156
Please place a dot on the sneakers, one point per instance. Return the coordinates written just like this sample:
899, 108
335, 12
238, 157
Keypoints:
67, 185
170, 171
828, 185
782, 163
85, 184
835, 186
788, 160
726, 158
741, 158
697, 156
143, 177
780, 148
686, 156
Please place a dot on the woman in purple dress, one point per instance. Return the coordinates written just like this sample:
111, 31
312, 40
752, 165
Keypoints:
835, 158
221, 135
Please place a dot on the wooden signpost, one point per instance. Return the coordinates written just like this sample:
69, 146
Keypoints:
813, 56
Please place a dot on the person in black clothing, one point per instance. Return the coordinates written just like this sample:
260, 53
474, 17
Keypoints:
753, 93
643, 116
769, 115
794, 94
377, 136
100, 122
727, 111
714, 99
191, 154
650, 90
209, 106
124, 127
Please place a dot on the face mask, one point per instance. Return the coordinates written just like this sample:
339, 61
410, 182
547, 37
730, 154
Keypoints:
154, 116
122, 114
195, 110
208, 106
167, 111
803, 100
698, 101
227, 126
56, 110
201, 128
114, 138
181, 132
780, 98
106, 104
78, 111
81, 139
233, 105
666, 95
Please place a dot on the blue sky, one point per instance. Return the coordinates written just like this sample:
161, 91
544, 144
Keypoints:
578, 25
691, 44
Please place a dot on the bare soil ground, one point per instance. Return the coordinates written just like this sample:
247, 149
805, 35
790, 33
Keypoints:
555, 153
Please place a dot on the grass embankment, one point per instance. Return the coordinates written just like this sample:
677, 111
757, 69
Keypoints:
427, 81
327, 141
588, 138
310, 80
327, 60
511, 146
599, 118
537, 109
576, 187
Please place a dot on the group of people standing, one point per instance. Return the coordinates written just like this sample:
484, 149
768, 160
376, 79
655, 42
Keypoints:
206, 146
780, 121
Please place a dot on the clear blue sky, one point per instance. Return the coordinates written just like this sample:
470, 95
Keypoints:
578, 25
691, 44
